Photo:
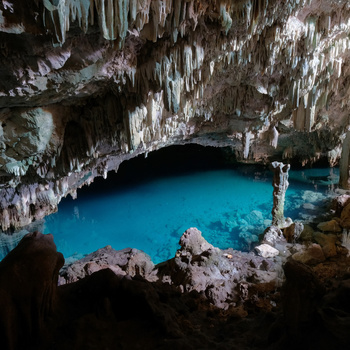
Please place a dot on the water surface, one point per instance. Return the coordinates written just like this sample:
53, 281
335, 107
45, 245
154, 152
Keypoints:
150, 210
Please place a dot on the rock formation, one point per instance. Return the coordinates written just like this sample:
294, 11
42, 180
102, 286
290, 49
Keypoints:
280, 184
204, 298
28, 290
86, 85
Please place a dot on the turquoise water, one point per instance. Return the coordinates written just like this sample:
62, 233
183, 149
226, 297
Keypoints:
150, 210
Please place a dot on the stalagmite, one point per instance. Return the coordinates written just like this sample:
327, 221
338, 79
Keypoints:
344, 166
280, 184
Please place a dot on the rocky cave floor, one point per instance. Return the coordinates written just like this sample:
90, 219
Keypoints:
203, 298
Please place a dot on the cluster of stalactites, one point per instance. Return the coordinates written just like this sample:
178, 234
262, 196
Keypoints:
116, 17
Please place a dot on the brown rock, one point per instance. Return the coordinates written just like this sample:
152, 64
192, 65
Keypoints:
311, 255
302, 292
307, 233
327, 243
345, 217
28, 284
339, 203
293, 232
329, 226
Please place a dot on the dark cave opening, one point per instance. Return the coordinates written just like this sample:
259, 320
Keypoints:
167, 161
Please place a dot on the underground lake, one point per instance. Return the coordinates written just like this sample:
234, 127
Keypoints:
150, 202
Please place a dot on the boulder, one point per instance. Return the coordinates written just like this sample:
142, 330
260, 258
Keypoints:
307, 233
127, 261
339, 203
311, 255
293, 232
199, 266
329, 226
194, 243
273, 235
327, 242
345, 217
266, 251
28, 290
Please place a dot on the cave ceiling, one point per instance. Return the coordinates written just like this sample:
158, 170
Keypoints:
87, 84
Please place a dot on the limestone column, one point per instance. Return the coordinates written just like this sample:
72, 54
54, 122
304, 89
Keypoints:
280, 184
344, 163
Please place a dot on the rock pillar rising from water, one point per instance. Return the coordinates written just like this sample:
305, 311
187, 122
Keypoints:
344, 163
280, 184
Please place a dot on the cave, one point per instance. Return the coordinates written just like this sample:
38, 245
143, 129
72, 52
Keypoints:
178, 187
99, 94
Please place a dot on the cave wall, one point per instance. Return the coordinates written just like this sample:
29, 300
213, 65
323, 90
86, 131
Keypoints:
87, 84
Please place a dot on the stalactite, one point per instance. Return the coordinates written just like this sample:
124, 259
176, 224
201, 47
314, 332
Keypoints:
274, 137
239, 66
247, 137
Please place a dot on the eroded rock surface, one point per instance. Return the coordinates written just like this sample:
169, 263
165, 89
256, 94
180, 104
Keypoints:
103, 309
131, 262
86, 85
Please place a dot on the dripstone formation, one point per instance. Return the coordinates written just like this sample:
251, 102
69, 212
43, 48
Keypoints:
87, 84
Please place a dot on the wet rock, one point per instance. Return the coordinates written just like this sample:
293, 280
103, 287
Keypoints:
312, 197
309, 206
249, 238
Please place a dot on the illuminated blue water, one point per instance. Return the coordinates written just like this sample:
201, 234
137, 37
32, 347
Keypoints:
231, 206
